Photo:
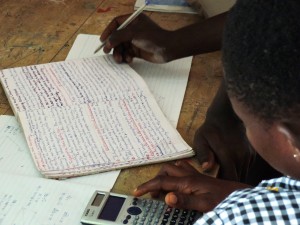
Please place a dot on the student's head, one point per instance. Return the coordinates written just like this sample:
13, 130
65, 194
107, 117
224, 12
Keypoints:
261, 57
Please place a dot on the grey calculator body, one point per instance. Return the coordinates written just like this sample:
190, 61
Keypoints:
106, 208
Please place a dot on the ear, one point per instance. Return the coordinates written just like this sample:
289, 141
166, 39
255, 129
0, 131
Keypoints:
292, 140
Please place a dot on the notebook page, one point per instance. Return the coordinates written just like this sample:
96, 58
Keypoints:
167, 82
15, 157
91, 94
29, 201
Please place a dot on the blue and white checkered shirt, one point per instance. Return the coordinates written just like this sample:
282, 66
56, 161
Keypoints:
275, 201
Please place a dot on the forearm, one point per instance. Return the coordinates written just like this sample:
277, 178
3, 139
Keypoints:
221, 104
202, 37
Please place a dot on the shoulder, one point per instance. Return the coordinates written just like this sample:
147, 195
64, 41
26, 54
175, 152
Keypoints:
267, 202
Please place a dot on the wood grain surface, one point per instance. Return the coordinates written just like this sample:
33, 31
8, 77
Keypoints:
42, 31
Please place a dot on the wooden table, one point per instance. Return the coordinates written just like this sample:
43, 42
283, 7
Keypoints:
41, 31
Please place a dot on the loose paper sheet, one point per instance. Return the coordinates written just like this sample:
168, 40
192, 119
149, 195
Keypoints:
32, 201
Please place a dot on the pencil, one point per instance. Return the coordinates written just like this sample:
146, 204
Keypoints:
126, 22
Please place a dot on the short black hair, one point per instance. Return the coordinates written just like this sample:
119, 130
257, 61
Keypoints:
261, 57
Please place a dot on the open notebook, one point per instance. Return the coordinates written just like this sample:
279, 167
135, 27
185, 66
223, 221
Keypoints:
167, 82
89, 115
15, 158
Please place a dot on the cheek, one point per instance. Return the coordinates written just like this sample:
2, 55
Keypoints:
259, 140
265, 144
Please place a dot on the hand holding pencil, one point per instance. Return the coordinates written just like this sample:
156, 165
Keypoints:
142, 38
125, 23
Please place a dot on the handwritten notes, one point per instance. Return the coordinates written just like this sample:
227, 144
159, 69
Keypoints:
167, 82
89, 115
15, 157
28, 201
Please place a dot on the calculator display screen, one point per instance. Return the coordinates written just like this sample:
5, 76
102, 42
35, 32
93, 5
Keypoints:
112, 208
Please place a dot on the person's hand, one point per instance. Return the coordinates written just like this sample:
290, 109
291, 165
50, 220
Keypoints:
186, 188
142, 38
222, 140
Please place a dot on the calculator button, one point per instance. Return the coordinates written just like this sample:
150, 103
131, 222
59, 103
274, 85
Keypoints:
165, 220
172, 222
182, 219
175, 216
169, 209
167, 215
134, 210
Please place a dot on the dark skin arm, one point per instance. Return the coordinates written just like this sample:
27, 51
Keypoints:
186, 188
221, 139
145, 39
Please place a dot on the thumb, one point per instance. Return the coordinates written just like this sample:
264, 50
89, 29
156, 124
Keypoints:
204, 153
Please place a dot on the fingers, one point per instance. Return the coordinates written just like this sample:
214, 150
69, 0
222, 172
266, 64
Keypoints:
187, 167
123, 53
180, 169
112, 26
158, 184
162, 183
204, 152
201, 202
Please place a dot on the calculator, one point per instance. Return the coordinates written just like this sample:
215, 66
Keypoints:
107, 208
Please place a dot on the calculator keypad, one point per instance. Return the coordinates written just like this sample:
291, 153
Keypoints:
152, 212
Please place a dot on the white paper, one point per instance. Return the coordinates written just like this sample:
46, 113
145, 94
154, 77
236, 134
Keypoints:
15, 157
167, 82
32, 201
89, 115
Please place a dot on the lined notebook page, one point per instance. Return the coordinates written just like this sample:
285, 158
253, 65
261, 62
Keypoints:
167, 82
89, 115
15, 157
30, 201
